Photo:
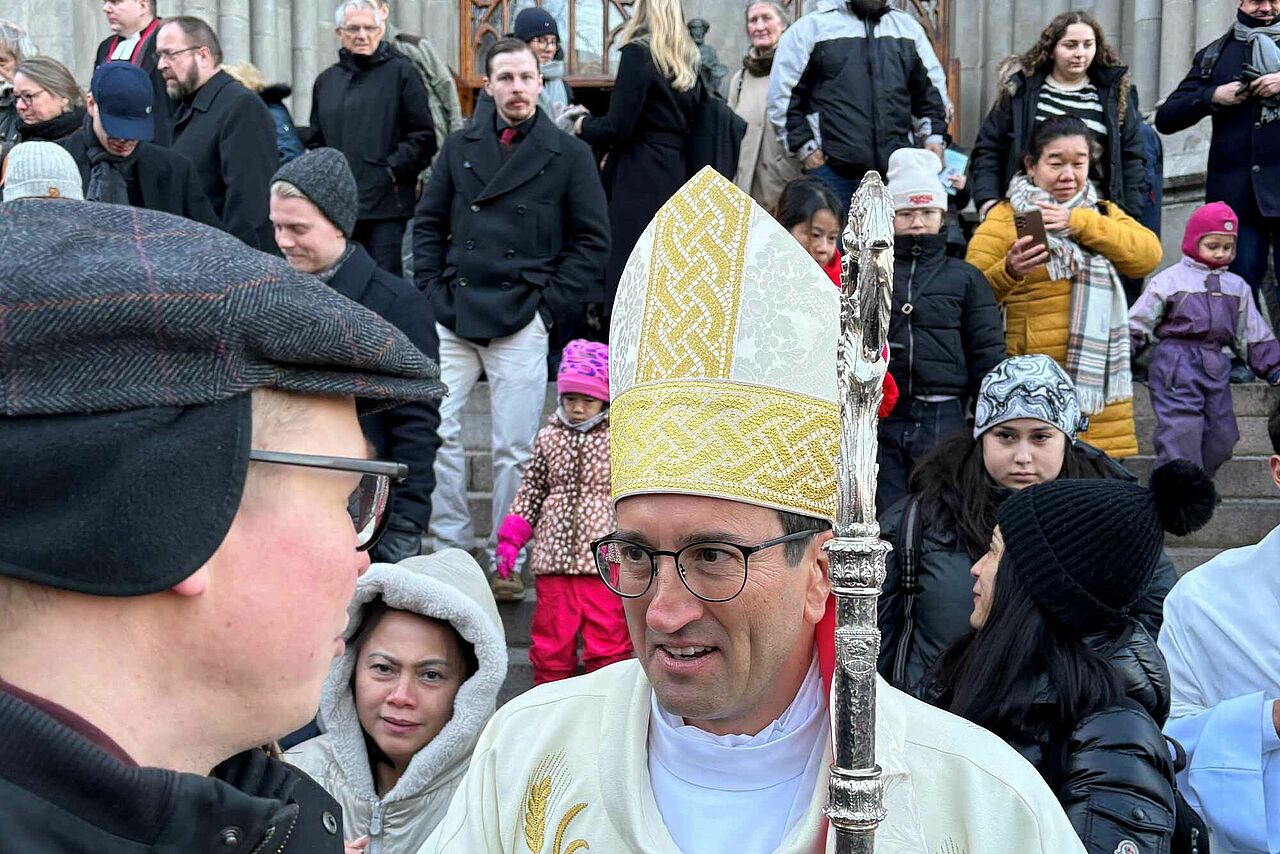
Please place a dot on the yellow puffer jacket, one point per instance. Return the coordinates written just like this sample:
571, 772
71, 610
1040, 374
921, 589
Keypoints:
1037, 310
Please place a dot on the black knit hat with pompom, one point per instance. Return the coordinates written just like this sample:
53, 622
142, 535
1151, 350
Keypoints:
1086, 549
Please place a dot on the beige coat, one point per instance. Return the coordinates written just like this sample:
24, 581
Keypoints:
764, 167
564, 768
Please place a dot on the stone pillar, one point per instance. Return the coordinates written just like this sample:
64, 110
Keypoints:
1143, 54
306, 57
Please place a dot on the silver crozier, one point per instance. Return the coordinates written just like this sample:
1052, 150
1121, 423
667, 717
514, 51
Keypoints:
855, 802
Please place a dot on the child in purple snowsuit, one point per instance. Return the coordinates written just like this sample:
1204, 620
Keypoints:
1193, 310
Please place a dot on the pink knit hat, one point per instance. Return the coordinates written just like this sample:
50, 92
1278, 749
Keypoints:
584, 369
1213, 218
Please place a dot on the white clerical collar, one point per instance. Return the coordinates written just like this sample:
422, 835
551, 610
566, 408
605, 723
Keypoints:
124, 47
778, 753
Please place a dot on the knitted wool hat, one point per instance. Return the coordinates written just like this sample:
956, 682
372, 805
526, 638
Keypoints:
584, 369
1213, 218
1032, 386
324, 177
533, 22
914, 181
41, 170
1086, 549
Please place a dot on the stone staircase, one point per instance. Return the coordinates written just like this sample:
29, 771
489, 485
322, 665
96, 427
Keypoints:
1250, 506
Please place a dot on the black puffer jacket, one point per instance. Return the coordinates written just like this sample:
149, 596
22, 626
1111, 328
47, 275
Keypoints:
1003, 137
945, 332
1111, 771
945, 600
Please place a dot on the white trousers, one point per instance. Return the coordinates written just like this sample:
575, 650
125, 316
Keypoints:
516, 368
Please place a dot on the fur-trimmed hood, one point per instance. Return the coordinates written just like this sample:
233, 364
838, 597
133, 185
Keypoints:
450, 586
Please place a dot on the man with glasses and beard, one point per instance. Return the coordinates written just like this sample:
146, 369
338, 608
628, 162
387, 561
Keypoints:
725, 429
187, 502
222, 127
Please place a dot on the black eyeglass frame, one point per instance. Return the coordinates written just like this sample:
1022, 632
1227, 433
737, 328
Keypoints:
392, 471
654, 554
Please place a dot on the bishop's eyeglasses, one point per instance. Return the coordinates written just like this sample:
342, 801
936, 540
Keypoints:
711, 571
369, 501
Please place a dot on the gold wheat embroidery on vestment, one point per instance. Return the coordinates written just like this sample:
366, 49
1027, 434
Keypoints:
547, 783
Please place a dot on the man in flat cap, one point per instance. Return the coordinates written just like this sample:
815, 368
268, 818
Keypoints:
716, 737
186, 504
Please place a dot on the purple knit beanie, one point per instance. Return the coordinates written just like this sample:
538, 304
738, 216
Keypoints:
584, 369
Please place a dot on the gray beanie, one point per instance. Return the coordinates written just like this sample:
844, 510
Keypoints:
324, 177
41, 170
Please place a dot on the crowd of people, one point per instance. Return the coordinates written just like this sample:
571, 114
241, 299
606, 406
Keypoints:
227, 327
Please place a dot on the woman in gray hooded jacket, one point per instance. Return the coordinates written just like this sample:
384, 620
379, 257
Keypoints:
403, 706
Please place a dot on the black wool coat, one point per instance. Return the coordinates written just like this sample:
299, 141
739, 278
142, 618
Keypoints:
1243, 169
144, 56
162, 179
645, 134
228, 133
945, 331
1003, 137
374, 109
408, 433
61, 793
496, 241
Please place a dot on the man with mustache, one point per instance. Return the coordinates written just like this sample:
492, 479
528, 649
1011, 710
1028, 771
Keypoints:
511, 229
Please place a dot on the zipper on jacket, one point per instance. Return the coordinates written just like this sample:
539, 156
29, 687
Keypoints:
911, 332
577, 499
375, 830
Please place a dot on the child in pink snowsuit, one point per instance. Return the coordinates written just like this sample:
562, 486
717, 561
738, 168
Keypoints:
1193, 310
563, 504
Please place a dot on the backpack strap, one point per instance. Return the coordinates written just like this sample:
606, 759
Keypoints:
1210, 57
908, 552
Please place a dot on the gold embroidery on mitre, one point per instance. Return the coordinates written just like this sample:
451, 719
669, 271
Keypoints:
546, 784
746, 443
694, 285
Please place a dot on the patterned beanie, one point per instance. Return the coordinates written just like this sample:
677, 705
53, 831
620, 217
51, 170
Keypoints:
1086, 549
584, 369
324, 177
1029, 387
1213, 218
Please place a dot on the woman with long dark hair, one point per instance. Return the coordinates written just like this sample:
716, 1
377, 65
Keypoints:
1056, 666
1071, 70
1024, 434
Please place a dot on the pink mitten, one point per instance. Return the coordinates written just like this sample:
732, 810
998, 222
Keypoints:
513, 533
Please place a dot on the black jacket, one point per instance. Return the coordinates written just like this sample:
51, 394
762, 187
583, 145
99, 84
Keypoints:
408, 433
945, 600
158, 178
945, 331
495, 241
860, 81
1243, 169
227, 132
54, 129
144, 56
1003, 137
374, 109
62, 794
9, 120
1112, 771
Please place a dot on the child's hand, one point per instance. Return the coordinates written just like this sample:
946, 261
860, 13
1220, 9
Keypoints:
505, 559
958, 180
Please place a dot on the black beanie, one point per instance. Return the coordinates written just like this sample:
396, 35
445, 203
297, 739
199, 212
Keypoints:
533, 22
1086, 549
324, 177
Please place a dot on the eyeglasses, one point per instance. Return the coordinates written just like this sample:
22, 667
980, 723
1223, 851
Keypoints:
712, 571
370, 499
28, 97
545, 41
170, 54
356, 30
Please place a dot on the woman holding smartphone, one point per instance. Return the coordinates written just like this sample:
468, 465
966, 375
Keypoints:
1061, 291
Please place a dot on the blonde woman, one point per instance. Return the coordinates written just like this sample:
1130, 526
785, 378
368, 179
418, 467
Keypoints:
646, 128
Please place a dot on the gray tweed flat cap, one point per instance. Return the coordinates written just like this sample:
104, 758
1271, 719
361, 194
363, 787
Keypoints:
130, 341
324, 176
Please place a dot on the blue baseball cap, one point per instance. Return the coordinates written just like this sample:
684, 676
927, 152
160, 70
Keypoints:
125, 99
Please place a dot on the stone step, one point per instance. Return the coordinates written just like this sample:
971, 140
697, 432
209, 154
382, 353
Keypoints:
517, 617
1254, 440
1247, 399
1237, 521
1239, 477
1188, 558
519, 675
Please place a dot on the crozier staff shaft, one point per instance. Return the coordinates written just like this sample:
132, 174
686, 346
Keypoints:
855, 797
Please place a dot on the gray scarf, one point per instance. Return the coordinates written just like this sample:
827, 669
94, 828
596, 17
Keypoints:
106, 176
1265, 44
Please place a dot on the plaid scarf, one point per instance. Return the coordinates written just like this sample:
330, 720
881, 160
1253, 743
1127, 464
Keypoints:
1098, 325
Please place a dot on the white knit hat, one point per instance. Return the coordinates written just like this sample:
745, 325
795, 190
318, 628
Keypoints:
41, 170
914, 181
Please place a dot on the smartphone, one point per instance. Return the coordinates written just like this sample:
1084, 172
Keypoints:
1031, 223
